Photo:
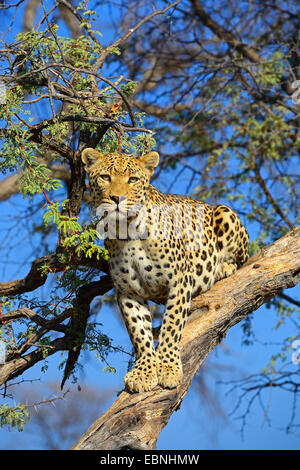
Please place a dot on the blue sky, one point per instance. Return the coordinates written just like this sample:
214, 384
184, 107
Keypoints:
199, 429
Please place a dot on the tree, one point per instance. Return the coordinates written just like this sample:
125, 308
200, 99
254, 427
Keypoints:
215, 82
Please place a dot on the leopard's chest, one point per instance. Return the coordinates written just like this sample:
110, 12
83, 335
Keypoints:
138, 268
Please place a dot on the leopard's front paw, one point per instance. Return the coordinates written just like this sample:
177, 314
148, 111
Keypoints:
225, 270
169, 375
142, 378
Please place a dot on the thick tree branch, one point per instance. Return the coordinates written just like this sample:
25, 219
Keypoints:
34, 279
12, 369
134, 421
225, 35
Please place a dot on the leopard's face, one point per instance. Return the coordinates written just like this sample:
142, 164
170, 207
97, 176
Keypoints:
118, 183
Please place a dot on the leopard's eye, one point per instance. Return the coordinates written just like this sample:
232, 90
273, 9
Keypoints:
105, 177
133, 179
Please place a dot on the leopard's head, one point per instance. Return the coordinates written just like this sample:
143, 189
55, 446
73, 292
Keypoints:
118, 183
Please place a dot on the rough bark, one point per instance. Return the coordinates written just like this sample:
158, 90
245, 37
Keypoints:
134, 421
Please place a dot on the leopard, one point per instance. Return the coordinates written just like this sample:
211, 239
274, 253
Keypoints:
164, 249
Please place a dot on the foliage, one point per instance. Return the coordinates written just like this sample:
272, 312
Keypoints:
14, 416
58, 77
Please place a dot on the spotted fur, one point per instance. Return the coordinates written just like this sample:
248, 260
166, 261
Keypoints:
163, 258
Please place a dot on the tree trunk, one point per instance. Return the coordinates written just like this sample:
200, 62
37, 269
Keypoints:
134, 421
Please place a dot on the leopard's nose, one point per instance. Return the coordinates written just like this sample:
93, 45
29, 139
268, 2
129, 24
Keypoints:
116, 199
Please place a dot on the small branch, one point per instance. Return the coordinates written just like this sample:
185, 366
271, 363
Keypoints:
49, 400
46, 325
79, 18
289, 299
98, 64
105, 122
10, 370
17, 362
15, 5
226, 35
270, 198
233, 42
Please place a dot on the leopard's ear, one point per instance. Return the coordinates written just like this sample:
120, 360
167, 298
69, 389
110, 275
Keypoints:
150, 161
90, 156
